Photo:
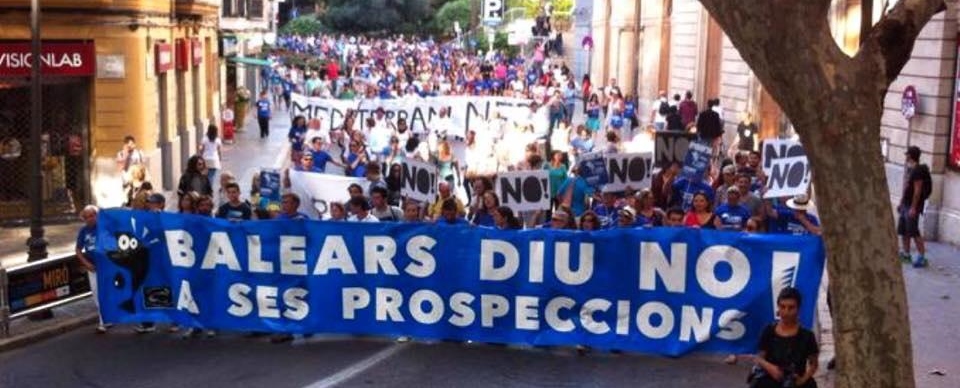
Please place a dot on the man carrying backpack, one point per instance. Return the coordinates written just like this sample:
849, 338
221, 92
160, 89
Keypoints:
917, 186
661, 107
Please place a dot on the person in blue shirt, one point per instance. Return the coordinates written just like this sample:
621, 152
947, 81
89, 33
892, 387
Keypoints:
574, 192
86, 245
289, 203
731, 215
320, 156
484, 216
263, 114
793, 218
288, 87
296, 137
449, 215
607, 210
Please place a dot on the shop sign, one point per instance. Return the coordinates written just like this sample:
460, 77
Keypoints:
953, 157
57, 58
164, 57
111, 66
197, 49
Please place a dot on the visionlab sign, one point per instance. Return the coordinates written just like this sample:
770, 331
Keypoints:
58, 58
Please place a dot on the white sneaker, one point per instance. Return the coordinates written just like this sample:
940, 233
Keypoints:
211, 333
101, 329
141, 329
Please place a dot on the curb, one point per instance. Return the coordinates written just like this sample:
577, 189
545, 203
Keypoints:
47, 332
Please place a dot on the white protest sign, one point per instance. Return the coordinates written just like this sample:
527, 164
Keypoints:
524, 190
317, 191
787, 169
419, 180
421, 114
633, 170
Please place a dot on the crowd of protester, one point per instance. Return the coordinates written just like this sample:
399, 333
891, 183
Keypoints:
568, 118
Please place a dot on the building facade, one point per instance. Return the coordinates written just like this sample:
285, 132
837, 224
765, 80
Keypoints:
111, 68
245, 26
678, 47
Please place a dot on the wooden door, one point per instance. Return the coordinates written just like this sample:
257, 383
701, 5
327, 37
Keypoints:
770, 116
714, 61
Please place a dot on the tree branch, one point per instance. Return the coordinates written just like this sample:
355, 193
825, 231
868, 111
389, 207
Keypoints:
894, 35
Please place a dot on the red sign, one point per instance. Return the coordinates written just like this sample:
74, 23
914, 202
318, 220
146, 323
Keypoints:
183, 54
908, 103
164, 57
197, 51
953, 157
57, 58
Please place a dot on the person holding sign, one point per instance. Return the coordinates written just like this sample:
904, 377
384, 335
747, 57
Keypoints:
792, 218
86, 244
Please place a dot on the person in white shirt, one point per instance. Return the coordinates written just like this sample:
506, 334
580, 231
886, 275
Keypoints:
211, 153
360, 210
659, 119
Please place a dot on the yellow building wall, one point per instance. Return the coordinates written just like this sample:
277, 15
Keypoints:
128, 106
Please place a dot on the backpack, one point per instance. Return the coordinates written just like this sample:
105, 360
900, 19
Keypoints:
664, 108
927, 187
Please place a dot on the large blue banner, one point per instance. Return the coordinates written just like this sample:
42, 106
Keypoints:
667, 291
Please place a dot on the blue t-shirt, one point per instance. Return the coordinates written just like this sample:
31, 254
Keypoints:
457, 221
87, 239
320, 159
581, 190
298, 216
732, 217
361, 170
608, 215
582, 145
263, 108
484, 219
787, 223
296, 137
287, 87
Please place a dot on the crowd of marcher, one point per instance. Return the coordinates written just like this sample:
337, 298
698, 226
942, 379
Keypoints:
569, 117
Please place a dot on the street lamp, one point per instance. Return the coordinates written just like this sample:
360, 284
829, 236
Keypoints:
36, 243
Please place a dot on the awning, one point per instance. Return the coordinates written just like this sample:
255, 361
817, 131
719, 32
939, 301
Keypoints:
251, 61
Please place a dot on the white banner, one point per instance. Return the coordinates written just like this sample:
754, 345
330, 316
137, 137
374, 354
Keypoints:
317, 191
422, 114
524, 190
633, 170
419, 180
787, 169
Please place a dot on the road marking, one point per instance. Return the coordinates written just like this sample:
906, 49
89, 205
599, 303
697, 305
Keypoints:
358, 368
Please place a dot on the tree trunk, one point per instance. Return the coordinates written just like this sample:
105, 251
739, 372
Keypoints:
871, 322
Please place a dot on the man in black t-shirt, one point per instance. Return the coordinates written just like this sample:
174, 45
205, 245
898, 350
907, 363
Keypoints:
234, 209
787, 351
916, 184
747, 133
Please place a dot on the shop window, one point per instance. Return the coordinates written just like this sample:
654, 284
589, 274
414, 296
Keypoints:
65, 147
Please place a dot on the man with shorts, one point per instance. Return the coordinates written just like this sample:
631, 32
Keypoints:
916, 188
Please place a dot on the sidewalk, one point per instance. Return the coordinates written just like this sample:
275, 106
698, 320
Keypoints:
932, 295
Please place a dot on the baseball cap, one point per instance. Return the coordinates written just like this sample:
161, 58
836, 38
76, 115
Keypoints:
156, 198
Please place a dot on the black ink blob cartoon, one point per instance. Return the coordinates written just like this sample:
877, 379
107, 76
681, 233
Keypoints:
132, 256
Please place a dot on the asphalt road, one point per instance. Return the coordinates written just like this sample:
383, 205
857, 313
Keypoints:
124, 359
